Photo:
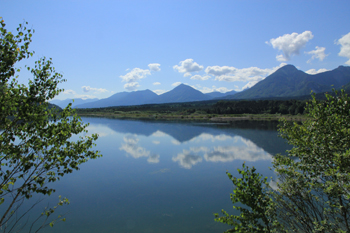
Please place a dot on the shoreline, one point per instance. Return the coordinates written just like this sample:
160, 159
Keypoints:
198, 117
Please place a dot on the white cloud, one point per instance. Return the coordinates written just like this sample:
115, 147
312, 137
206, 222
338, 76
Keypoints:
187, 74
156, 142
313, 71
281, 58
159, 92
232, 74
290, 44
134, 75
318, 53
156, 83
345, 47
249, 85
199, 77
131, 86
214, 88
188, 66
176, 84
69, 92
84, 97
88, 88
154, 66
220, 70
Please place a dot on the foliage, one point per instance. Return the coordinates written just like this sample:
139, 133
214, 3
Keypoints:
292, 107
313, 188
251, 191
35, 145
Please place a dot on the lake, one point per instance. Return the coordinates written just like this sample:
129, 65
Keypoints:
162, 176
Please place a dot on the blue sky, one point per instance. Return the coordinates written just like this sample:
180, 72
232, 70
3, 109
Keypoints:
104, 47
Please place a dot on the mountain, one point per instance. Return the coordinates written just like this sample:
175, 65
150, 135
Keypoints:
122, 99
181, 93
64, 103
288, 81
217, 94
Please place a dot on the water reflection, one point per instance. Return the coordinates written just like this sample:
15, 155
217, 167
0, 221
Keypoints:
190, 144
131, 147
241, 149
187, 159
165, 176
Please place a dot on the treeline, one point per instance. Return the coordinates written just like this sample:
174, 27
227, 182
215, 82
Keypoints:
292, 107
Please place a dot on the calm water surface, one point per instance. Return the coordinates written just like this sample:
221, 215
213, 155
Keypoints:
162, 176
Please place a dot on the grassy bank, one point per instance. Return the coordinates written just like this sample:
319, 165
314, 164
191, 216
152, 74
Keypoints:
198, 116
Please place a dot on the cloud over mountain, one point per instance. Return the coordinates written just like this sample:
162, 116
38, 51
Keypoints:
176, 84
314, 71
318, 53
345, 47
131, 86
199, 77
188, 66
88, 88
232, 74
132, 77
290, 44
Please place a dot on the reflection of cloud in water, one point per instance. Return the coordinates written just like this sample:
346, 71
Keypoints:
230, 153
159, 134
175, 142
241, 150
156, 142
273, 185
99, 129
153, 158
186, 159
130, 146
199, 149
221, 137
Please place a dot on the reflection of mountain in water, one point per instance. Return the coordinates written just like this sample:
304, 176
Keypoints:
262, 133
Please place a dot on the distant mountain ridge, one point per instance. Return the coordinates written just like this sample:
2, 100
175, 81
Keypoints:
122, 99
77, 101
288, 81
181, 93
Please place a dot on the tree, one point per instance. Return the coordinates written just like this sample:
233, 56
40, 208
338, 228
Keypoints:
313, 188
35, 145
251, 190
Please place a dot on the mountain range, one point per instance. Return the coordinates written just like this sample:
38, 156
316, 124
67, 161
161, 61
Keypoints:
286, 82
64, 103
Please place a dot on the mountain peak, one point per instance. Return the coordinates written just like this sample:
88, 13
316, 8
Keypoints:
181, 86
288, 68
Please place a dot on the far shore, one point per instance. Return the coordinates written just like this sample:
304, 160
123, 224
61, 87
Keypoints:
195, 117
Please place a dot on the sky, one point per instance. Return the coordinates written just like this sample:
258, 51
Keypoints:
109, 46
